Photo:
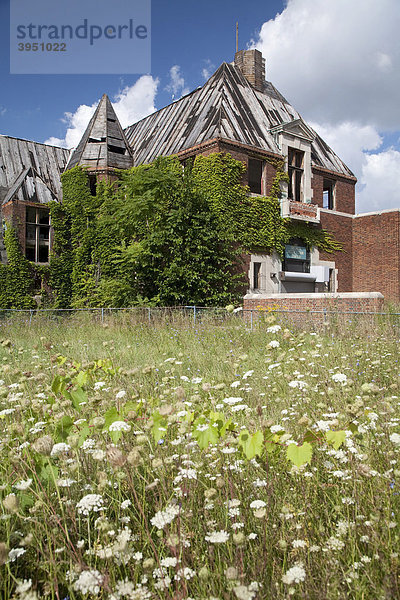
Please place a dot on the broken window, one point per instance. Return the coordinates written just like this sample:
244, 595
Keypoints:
37, 234
93, 184
297, 257
256, 275
328, 200
255, 171
295, 173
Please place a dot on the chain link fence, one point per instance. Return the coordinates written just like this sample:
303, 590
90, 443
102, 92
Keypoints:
200, 316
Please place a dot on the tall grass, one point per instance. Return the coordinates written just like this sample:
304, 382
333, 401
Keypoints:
156, 460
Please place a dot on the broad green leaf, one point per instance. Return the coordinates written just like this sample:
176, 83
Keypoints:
63, 428
26, 500
78, 396
252, 445
159, 426
299, 455
206, 436
49, 473
336, 438
111, 415
83, 434
81, 378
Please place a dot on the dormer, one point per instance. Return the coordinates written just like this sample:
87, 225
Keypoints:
294, 140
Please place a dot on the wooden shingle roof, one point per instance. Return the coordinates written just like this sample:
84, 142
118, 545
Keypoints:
225, 107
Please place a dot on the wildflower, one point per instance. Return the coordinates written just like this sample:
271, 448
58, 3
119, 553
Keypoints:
120, 394
89, 582
274, 329
59, 449
231, 573
295, 574
299, 544
11, 503
43, 445
242, 592
90, 503
248, 374
125, 504
217, 537
65, 482
274, 344
23, 485
170, 561
163, 518
339, 378
185, 573
395, 438
119, 426
23, 586
99, 384
256, 504
15, 553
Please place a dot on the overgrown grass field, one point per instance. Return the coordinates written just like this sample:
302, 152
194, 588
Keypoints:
211, 462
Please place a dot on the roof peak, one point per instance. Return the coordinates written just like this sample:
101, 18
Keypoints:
103, 145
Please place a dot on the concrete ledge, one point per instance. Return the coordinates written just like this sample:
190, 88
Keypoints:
327, 296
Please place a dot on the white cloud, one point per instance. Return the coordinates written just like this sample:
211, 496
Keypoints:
337, 60
380, 180
208, 70
131, 104
177, 83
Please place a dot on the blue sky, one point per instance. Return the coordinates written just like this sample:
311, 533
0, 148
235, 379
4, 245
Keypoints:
337, 62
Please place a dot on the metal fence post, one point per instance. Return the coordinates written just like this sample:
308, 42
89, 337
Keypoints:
30, 316
194, 315
251, 319
149, 314
102, 315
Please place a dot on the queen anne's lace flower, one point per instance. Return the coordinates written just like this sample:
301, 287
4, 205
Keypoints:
89, 582
294, 575
217, 537
163, 518
119, 426
90, 503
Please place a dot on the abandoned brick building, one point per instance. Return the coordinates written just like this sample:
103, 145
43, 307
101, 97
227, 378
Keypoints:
239, 112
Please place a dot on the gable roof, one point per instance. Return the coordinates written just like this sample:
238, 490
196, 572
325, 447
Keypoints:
30, 171
103, 145
225, 107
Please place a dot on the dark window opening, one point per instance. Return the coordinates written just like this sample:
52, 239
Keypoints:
328, 194
96, 140
37, 234
116, 149
111, 120
93, 184
295, 173
256, 275
255, 169
297, 257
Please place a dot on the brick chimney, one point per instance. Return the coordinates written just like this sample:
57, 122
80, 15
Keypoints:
252, 65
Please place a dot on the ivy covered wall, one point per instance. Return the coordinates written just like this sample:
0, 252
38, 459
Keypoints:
161, 234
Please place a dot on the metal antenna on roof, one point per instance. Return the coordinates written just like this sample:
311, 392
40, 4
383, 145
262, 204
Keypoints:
237, 36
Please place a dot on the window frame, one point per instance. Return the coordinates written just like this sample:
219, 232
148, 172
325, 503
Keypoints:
329, 186
40, 240
295, 174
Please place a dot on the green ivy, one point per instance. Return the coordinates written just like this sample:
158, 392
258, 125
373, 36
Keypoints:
17, 280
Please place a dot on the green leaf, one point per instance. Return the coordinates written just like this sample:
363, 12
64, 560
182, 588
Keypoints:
63, 428
78, 396
206, 436
159, 426
83, 434
252, 445
299, 455
81, 378
111, 415
336, 438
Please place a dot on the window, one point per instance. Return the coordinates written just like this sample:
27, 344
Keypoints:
295, 172
256, 275
328, 200
255, 171
37, 235
93, 184
297, 257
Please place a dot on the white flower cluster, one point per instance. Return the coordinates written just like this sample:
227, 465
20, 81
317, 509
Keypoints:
295, 574
339, 378
119, 426
90, 503
165, 517
274, 329
59, 449
217, 537
89, 582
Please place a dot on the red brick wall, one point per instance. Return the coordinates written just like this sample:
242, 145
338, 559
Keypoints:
341, 229
313, 302
344, 192
376, 254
